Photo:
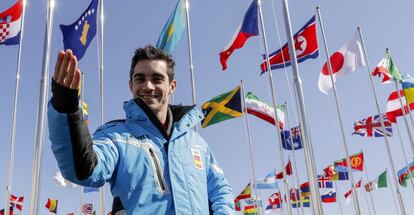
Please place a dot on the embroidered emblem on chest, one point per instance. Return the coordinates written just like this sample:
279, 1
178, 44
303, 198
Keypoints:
197, 159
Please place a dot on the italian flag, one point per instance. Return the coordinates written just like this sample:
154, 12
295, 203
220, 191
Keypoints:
387, 69
379, 182
264, 111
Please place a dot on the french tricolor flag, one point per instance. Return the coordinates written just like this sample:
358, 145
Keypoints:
248, 28
10, 22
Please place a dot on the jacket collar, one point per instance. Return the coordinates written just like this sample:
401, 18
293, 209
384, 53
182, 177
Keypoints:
183, 116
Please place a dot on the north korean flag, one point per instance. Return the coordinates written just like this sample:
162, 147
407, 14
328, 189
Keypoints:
306, 46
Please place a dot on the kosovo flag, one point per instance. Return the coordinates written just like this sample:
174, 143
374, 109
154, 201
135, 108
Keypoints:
79, 35
173, 29
222, 107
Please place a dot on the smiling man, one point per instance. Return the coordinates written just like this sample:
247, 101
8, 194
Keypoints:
153, 160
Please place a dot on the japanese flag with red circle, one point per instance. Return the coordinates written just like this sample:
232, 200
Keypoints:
347, 59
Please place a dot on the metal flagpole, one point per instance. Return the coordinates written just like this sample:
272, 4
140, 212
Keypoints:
339, 113
294, 159
101, 87
190, 51
370, 193
405, 156
285, 180
338, 198
307, 146
41, 112
82, 100
13, 129
399, 197
249, 141
366, 199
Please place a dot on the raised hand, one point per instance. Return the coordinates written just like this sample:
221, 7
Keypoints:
67, 73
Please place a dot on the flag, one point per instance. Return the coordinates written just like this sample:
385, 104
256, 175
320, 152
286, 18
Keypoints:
90, 189
324, 182
10, 211
408, 87
250, 210
329, 171
306, 201
387, 69
296, 138
272, 209
87, 209
347, 59
85, 114
305, 189
79, 34
357, 163
295, 197
222, 107
264, 111
268, 182
248, 28
60, 181
329, 196
394, 109
371, 126
349, 193
288, 170
404, 174
51, 205
379, 182
245, 194
306, 46
16, 201
10, 24
340, 176
275, 199
173, 29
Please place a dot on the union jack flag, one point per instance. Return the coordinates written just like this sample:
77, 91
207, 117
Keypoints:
371, 127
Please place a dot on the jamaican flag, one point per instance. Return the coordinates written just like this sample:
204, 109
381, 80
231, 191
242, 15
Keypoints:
222, 107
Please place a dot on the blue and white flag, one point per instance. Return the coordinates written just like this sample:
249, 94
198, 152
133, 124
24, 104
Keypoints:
268, 182
79, 35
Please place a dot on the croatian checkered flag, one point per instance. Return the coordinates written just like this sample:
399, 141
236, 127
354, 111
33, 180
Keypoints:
10, 22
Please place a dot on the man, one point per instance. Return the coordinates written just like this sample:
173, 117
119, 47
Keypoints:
154, 161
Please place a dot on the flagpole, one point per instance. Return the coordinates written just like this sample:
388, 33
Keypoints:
41, 112
286, 183
294, 159
339, 114
13, 129
405, 156
370, 193
101, 87
338, 198
399, 197
307, 145
190, 51
82, 100
250, 144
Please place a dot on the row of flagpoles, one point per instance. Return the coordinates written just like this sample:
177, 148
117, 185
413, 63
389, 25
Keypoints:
249, 27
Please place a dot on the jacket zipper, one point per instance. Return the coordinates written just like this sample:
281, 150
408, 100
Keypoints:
160, 180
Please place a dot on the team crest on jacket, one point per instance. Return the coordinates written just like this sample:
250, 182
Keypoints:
197, 159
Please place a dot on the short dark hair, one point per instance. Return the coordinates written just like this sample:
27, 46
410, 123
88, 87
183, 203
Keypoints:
150, 52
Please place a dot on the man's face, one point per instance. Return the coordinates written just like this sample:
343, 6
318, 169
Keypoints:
151, 83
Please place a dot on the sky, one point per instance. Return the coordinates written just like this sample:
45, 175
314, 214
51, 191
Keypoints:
132, 24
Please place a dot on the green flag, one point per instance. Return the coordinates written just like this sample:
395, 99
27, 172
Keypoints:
222, 107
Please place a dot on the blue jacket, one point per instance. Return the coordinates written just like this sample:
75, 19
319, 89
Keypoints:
150, 174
